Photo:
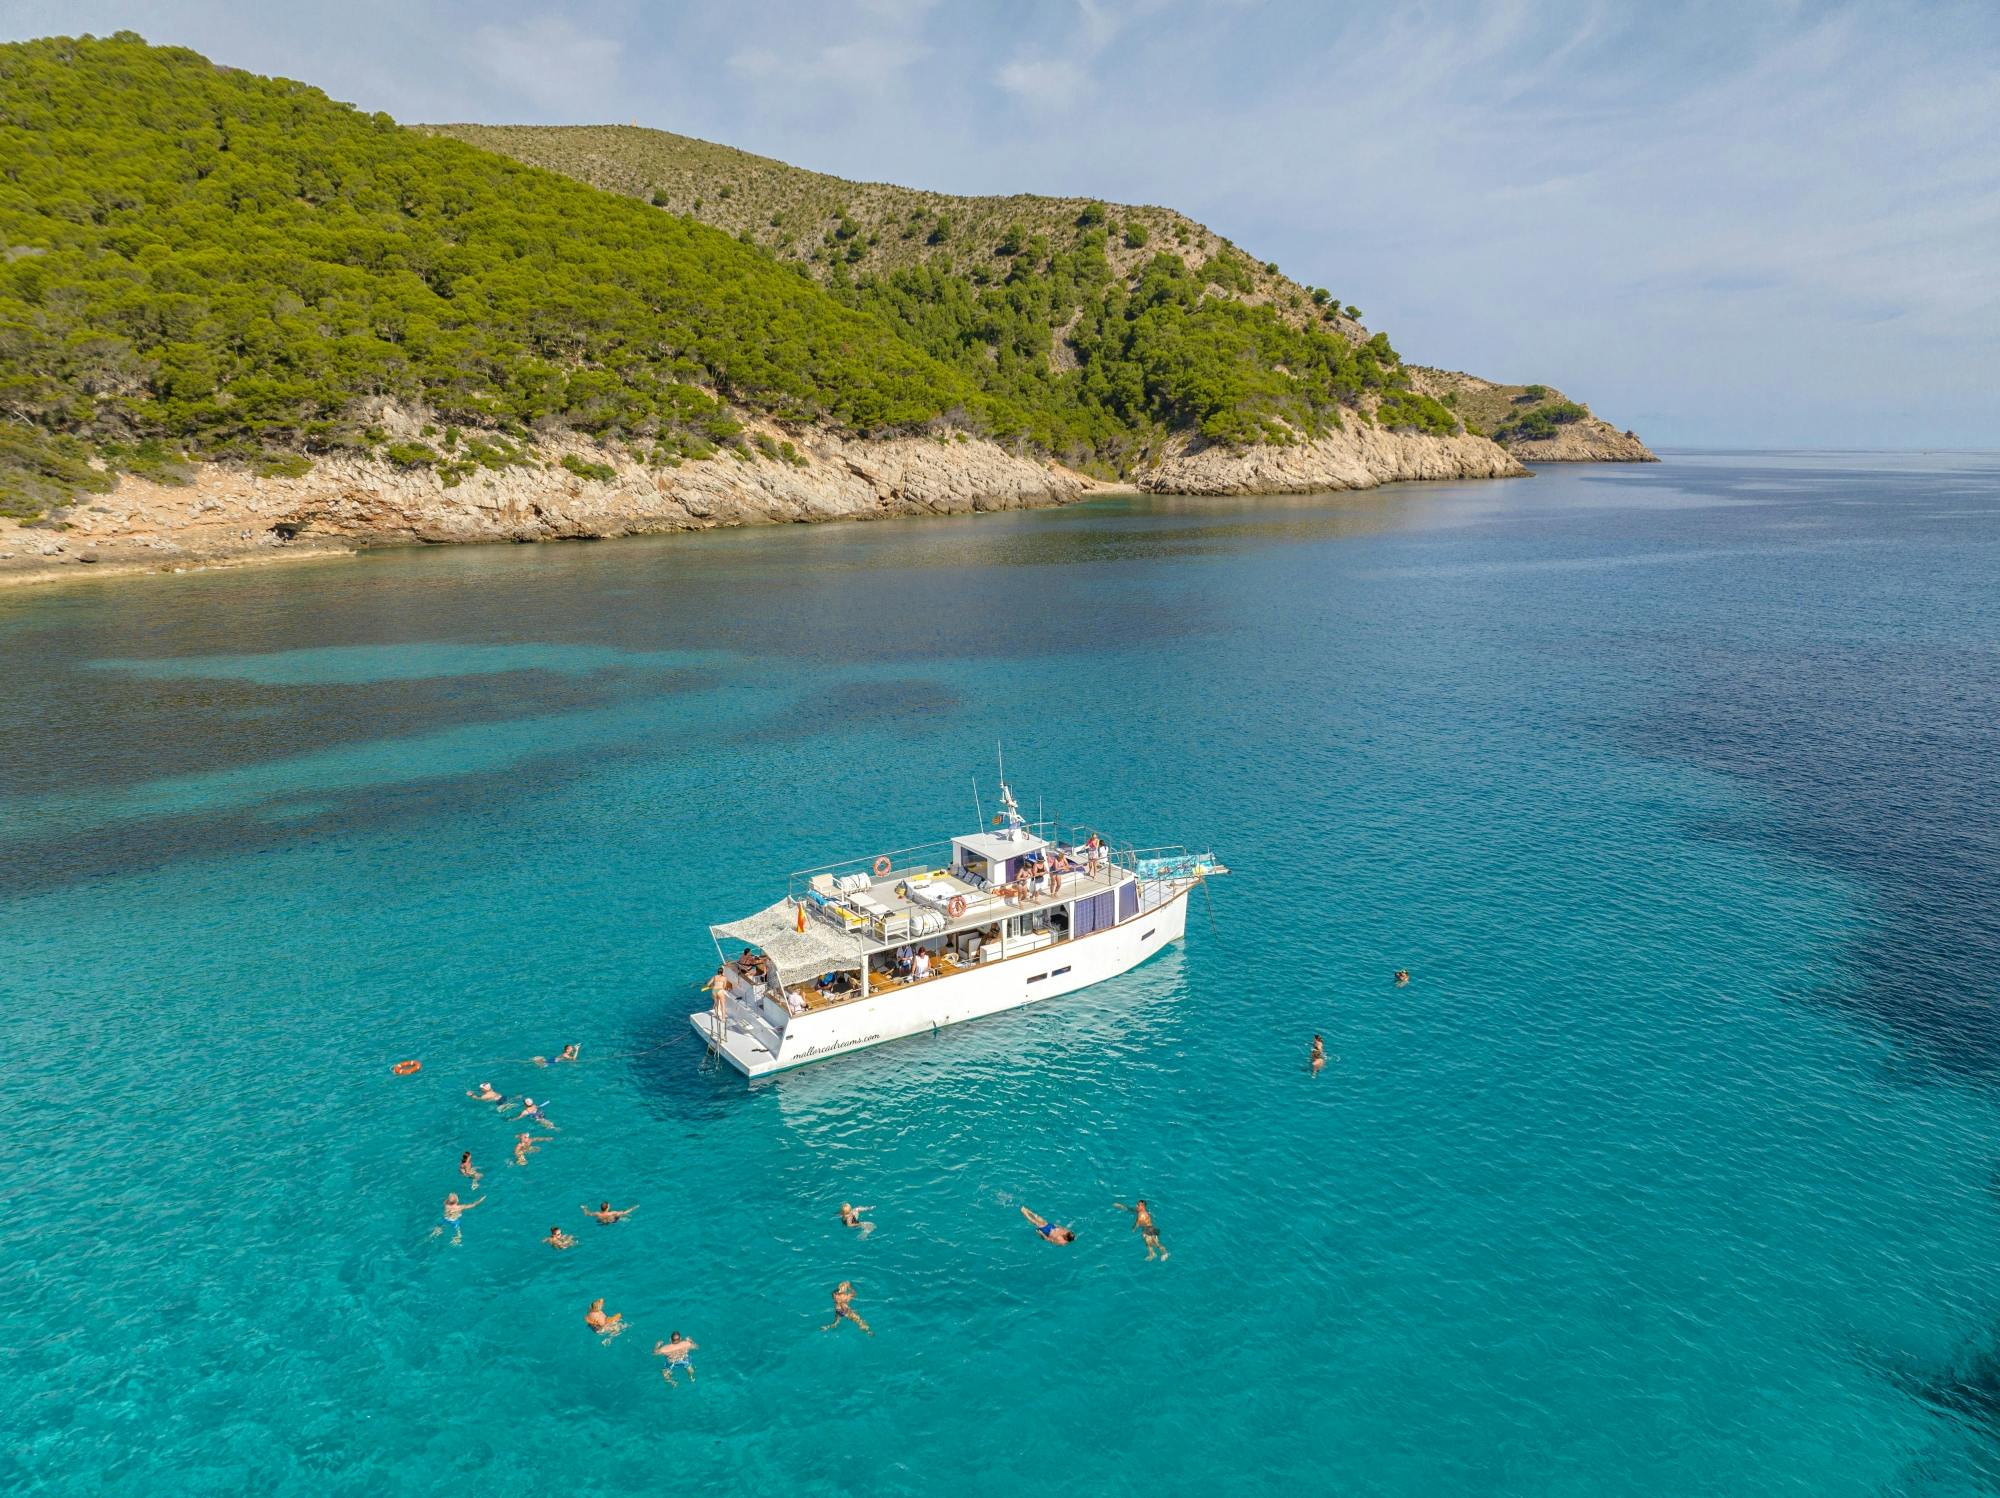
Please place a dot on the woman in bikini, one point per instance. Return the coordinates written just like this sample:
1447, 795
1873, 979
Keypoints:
843, 1308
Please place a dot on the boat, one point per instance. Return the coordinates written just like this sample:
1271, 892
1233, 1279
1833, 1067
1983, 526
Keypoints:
903, 943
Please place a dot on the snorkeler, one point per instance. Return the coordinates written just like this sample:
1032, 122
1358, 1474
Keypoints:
605, 1214
607, 1326
467, 1169
843, 1309
453, 1210
1142, 1223
557, 1238
850, 1216
1049, 1231
675, 1350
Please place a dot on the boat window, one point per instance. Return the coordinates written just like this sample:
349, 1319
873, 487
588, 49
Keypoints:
1149, 935
1058, 972
1038, 977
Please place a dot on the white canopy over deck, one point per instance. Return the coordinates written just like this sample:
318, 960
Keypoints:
798, 955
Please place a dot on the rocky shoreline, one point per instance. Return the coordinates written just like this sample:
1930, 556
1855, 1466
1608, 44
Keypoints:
227, 516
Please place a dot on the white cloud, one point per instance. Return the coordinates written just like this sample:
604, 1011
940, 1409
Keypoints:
1043, 82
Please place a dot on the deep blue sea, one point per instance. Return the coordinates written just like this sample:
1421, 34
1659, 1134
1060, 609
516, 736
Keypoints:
1675, 1169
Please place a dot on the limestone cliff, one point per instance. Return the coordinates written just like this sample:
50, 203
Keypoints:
226, 514
1358, 456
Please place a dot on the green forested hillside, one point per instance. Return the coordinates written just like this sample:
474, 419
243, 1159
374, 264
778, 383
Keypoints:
196, 262
1098, 328
195, 259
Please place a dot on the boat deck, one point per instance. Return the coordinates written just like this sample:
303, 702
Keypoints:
881, 916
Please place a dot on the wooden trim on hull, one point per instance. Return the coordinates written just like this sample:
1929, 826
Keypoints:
1166, 909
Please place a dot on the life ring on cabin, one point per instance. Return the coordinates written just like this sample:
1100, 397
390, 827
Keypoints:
407, 1068
882, 865
956, 906
1055, 880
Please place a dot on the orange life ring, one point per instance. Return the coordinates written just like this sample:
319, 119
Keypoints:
1055, 880
882, 865
956, 906
407, 1068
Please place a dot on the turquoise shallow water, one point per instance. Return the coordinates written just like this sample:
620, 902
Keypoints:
1672, 1171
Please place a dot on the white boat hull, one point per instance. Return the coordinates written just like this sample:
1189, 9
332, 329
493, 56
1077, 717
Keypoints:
758, 1040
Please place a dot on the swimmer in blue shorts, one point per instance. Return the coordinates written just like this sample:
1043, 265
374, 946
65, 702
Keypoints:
448, 1218
1049, 1230
675, 1350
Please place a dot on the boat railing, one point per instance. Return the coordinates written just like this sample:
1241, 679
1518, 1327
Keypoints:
924, 857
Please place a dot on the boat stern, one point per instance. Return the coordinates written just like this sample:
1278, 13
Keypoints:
746, 1050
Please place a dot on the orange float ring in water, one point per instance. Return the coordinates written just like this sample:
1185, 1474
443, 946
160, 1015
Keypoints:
882, 865
407, 1068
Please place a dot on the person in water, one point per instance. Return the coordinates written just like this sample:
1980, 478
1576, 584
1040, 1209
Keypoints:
843, 1308
1048, 1230
1142, 1223
526, 1145
486, 1094
1402, 976
449, 1217
606, 1215
532, 1109
467, 1169
607, 1327
557, 1238
850, 1216
675, 1350
1318, 1059
568, 1053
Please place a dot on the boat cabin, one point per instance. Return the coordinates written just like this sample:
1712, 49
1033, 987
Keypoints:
846, 934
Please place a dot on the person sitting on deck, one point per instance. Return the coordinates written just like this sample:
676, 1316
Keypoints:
905, 955
920, 965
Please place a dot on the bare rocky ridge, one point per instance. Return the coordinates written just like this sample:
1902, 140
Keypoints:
1489, 405
229, 515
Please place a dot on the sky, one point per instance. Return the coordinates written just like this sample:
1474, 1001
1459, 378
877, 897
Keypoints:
1755, 223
